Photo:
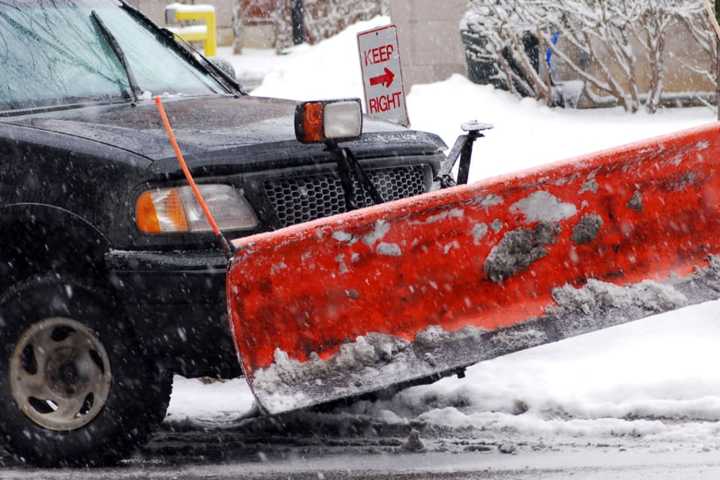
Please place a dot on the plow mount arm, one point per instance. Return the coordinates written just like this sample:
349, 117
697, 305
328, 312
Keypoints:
462, 151
413, 290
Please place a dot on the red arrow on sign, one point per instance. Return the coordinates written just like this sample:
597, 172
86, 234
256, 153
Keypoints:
386, 78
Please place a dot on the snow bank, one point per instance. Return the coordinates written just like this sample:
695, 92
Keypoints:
328, 70
528, 134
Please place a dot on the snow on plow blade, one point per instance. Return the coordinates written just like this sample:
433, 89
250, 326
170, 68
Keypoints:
417, 289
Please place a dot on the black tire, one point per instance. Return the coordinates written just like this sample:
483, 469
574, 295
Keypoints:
139, 390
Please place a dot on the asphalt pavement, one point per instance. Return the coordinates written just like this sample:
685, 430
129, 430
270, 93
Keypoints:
248, 453
546, 465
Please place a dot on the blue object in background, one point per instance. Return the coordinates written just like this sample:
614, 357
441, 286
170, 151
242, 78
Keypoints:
549, 54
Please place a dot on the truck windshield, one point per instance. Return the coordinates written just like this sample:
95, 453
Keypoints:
53, 53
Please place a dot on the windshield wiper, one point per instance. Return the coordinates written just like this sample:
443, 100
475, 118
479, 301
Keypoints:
135, 89
186, 51
216, 72
66, 103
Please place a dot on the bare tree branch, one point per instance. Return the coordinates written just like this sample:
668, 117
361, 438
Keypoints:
604, 43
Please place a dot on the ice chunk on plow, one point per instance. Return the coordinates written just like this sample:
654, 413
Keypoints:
413, 290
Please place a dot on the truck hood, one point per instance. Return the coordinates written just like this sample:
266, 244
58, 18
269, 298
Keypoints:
213, 130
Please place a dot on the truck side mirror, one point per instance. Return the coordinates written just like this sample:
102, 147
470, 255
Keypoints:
225, 66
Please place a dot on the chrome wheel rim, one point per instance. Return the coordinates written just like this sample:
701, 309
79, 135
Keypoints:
60, 374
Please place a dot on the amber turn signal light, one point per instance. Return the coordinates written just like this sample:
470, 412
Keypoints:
175, 210
328, 121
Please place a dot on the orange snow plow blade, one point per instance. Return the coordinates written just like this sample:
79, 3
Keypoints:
410, 291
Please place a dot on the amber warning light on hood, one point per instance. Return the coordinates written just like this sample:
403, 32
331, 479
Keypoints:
328, 121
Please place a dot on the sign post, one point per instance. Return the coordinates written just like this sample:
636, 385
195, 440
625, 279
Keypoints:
297, 14
382, 75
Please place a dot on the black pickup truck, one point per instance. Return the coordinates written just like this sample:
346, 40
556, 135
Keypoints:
110, 279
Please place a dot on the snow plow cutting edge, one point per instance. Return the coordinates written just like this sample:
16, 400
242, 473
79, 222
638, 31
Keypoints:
408, 292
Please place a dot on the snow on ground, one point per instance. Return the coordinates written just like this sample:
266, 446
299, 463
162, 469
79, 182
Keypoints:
653, 378
656, 379
209, 403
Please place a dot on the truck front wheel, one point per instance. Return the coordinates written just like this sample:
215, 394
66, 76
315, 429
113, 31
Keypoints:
75, 388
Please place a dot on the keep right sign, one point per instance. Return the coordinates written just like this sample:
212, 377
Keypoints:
382, 74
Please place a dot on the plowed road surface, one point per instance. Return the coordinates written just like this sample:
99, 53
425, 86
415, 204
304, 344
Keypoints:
236, 453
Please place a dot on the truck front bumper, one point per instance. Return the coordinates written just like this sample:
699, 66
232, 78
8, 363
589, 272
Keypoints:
177, 304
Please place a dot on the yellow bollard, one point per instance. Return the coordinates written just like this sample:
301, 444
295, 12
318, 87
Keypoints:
206, 33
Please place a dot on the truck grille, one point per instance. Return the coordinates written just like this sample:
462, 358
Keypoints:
302, 199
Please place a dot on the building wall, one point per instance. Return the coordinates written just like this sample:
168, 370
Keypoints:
324, 18
430, 42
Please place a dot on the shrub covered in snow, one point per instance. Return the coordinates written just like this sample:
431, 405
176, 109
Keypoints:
618, 49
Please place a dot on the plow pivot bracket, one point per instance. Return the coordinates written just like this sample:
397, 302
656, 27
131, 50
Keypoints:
462, 150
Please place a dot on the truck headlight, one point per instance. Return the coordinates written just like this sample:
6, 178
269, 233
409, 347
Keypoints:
174, 210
